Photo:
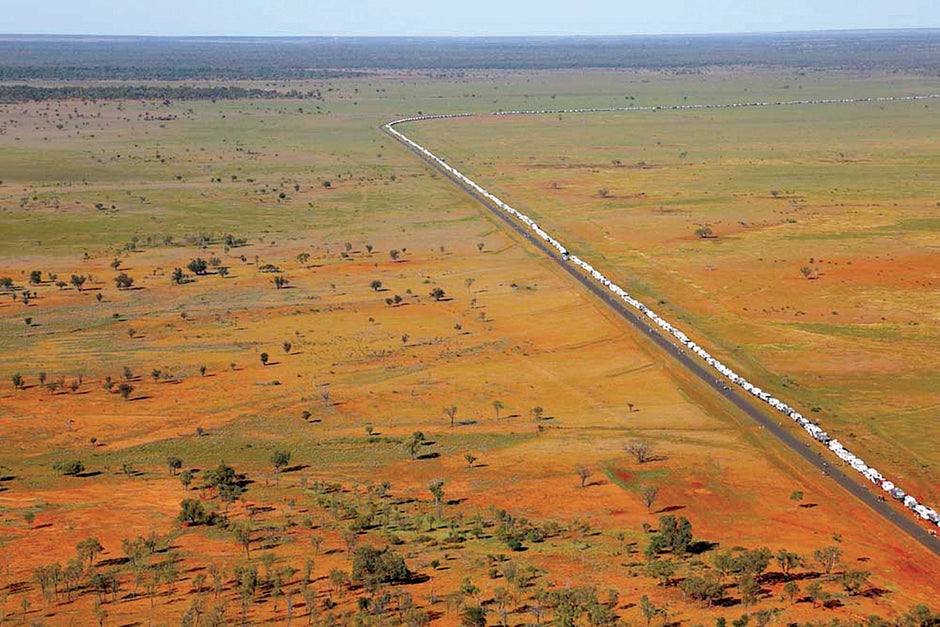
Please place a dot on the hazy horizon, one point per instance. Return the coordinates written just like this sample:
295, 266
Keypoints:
485, 18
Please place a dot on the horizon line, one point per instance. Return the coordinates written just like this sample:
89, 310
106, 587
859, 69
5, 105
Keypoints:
919, 29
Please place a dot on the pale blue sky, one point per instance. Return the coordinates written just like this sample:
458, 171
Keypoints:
462, 18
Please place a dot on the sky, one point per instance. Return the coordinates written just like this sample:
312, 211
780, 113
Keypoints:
459, 18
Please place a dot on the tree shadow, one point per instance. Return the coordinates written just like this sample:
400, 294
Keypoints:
296, 468
671, 508
874, 592
91, 473
702, 546
431, 455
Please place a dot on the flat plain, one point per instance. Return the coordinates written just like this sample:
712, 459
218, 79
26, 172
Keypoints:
525, 390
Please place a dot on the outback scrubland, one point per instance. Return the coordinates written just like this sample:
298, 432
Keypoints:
262, 366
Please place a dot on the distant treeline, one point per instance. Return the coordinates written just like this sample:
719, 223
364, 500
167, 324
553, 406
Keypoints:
163, 73
29, 93
232, 58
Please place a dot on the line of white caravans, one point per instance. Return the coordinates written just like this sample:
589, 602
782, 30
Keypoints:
811, 427
779, 103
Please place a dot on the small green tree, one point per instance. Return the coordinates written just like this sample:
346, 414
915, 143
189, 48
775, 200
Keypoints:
125, 389
436, 488
414, 443
817, 594
174, 464
473, 616
498, 405
661, 569
854, 580
787, 561
749, 589
827, 558
648, 610
280, 459
242, 534
123, 281
88, 549
372, 567
192, 512
198, 266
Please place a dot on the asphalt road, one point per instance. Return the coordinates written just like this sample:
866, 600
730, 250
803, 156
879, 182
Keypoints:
809, 450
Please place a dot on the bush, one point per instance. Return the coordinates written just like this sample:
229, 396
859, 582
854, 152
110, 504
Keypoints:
123, 281
72, 468
473, 616
371, 566
198, 265
192, 512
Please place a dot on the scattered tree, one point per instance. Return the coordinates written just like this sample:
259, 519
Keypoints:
648, 494
436, 488
661, 569
198, 266
414, 443
641, 450
174, 464
123, 281
125, 390
451, 412
827, 558
193, 512
280, 459
583, 473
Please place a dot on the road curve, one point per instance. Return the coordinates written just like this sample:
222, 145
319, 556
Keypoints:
802, 448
